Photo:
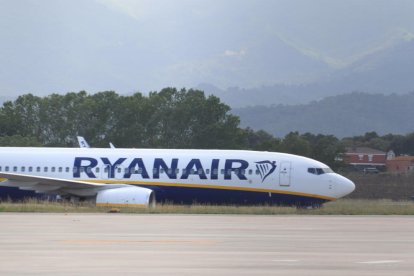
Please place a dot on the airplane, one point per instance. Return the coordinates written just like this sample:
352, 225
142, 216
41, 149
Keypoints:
83, 144
140, 177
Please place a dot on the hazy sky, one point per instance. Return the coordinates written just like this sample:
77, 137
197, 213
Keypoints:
130, 45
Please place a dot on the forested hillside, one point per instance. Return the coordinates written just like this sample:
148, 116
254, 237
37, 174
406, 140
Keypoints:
342, 116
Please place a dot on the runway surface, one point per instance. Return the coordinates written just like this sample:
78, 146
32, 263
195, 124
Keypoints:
120, 244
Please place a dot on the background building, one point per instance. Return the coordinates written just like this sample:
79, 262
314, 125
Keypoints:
401, 164
362, 158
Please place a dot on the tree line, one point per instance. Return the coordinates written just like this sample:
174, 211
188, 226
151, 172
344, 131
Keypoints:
170, 118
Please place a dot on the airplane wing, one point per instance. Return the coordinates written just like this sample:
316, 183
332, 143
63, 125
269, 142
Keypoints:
42, 184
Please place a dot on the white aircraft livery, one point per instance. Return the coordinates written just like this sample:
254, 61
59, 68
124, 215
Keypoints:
138, 177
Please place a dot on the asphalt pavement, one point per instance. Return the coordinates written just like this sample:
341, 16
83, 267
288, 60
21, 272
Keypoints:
130, 244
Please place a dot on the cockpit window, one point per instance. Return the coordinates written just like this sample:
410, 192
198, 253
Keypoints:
319, 171
327, 170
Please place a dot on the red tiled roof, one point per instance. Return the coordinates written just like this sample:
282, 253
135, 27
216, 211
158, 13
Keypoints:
403, 158
363, 150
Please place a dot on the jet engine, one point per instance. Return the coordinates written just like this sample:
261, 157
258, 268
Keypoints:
126, 197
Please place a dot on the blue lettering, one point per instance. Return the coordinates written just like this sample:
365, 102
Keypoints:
112, 167
170, 171
136, 167
228, 168
197, 168
214, 168
85, 168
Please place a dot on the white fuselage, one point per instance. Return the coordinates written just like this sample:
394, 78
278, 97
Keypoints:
275, 174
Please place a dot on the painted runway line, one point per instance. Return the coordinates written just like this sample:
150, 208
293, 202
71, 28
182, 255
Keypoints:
381, 262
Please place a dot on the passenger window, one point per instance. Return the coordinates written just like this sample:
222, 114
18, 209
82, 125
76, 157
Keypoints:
75, 169
207, 171
15, 169
0, 168
97, 170
67, 169
200, 171
250, 171
82, 169
45, 169
30, 169
161, 170
257, 172
60, 169
38, 169
52, 169
215, 171
222, 171
7, 168
23, 169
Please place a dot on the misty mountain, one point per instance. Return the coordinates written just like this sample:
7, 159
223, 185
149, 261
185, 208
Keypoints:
385, 71
290, 51
344, 115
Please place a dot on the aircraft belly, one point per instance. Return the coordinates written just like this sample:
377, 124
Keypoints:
220, 196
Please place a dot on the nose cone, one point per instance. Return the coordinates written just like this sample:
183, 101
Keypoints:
344, 186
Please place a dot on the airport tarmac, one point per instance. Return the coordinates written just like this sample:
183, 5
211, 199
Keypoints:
129, 244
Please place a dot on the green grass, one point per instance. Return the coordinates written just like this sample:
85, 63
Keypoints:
339, 207
365, 207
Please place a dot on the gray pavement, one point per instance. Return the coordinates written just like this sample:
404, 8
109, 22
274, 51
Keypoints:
120, 244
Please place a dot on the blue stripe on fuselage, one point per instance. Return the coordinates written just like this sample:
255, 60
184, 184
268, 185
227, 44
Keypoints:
13, 193
186, 195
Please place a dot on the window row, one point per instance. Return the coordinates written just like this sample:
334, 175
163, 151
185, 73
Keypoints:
120, 170
34, 169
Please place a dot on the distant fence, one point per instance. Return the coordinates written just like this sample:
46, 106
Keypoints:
383, 186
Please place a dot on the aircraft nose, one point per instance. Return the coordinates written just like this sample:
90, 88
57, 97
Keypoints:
345, 186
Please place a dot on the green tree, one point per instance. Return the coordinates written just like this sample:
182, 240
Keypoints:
262, 140
325, 148
18, 141
293, 143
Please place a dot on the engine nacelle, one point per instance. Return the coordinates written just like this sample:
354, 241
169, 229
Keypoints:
126, 197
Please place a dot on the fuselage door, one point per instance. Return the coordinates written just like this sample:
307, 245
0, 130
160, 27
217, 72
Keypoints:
284, 173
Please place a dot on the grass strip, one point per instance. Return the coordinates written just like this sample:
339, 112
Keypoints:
339, 207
